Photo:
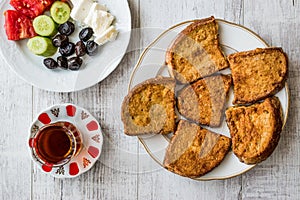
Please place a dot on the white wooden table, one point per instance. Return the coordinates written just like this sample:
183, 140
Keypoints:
124, 170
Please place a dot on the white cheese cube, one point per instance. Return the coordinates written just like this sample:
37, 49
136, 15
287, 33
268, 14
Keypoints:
100, 7
109, 34
94, 8
81, 9
101, 21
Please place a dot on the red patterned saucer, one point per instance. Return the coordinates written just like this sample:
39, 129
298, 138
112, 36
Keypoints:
92, 139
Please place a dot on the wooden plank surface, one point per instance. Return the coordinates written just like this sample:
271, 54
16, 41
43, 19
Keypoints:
277, 177
124, 170
15, 109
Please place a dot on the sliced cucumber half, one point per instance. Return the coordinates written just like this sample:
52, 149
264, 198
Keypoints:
60, 12
44, 26
41, 46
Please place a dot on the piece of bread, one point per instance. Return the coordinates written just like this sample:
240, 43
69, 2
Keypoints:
204, 100
195, 151
150, 107
255, 130
257, 74
195, 52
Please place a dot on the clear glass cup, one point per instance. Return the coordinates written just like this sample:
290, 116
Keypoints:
57, 143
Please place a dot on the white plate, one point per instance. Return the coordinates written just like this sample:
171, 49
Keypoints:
233, 38
91, 134
30, 67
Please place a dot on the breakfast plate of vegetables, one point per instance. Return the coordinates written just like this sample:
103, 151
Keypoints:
61, 45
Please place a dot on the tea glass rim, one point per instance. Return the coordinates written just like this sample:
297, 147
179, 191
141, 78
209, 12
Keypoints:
71, 135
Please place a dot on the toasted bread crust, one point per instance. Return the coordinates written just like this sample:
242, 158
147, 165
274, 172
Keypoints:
255, 130
204, 100
195, 53
150, 107
195, 151
264, 70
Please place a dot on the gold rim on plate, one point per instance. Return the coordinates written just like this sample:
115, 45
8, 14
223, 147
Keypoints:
155, 41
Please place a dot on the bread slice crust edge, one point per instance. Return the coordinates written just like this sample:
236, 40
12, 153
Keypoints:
239, 97
245, 134
167, 82
182, 35
205, 150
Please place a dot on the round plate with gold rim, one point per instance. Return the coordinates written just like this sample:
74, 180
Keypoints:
233, 38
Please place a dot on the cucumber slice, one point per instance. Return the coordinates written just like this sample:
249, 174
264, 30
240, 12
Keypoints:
44, 26
41, 46
60, 12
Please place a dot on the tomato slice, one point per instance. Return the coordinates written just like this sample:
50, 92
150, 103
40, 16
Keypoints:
31, 8
18, 26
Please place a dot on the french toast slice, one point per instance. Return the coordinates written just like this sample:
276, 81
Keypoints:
150, 107
194, 151
258, 73
204, 100
255, 130
195, 52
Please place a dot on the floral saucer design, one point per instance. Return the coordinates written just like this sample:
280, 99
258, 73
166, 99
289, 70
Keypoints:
92, 139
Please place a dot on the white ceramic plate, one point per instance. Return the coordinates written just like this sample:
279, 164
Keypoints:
91, 134
233, 38
30, 67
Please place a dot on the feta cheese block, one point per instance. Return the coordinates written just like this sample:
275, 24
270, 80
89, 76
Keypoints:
94, 8
98, 20
98, 6
101, 21
109, 34
81, 9
95, 16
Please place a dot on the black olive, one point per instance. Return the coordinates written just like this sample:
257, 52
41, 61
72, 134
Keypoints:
74, 63
66, 28
62, 62
60, 40
80, 48
85, 34
67, 49
50, 63
91, 48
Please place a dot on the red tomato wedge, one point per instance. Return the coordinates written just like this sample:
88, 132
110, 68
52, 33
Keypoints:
31, 8
18, 26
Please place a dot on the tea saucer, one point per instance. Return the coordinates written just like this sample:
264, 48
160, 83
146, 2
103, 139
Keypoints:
91, 135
